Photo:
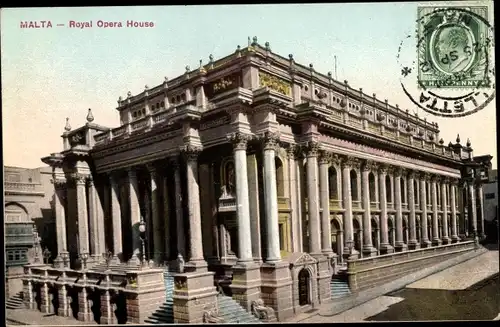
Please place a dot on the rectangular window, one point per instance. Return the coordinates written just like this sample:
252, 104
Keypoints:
282, 237
489, 196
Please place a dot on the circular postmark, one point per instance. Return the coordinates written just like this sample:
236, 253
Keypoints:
452, 72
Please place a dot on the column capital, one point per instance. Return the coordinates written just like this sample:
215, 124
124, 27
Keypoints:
398, 171
335, 159
454, 181
90, 180
292, 151
383, 168
425, 176
369, 165
350, 162
151, 167
270, 140
77, 178
311, 148
131, 172
435, 178
446, 180
239, 140
324, 157
191, 152
59, 183
410, 173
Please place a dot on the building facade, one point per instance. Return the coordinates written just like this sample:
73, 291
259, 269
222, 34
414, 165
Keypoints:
28, 220
267, 178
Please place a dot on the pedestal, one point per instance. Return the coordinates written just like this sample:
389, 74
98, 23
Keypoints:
62, 310
400, 247
324, 278
107, 312
246, 284
145, 293
369, 251
84, 313
276, 288
413, 245
436, 242
425, 244
194, 294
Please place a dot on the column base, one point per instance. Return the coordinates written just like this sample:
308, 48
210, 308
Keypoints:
425, 244
455, 239
413, 245
199, 265
369, 251
134, 261
276, 288
246, 283
85, 316
400, 247
386, 248
350, 254
58, 262
446, 240
436, 242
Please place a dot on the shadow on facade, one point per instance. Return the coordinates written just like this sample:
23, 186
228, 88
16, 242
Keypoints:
478, 302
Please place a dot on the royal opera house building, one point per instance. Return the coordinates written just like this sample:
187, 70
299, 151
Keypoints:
249, 189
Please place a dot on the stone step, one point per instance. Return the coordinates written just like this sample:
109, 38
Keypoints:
232, 312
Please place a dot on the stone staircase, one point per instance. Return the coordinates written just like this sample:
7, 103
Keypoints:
339, 287
233, 313
15, 302
165, 313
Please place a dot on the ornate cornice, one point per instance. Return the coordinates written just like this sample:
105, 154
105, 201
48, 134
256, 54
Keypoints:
270, 140
239, 140
311, 148
191, 152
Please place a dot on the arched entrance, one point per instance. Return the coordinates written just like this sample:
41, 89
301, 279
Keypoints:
304, 287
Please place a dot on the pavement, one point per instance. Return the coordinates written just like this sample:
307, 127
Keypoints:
32, 317
462, 276
455, 274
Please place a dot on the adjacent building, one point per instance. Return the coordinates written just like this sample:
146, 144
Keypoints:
255, 177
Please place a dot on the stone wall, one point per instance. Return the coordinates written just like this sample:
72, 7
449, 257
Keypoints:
370, 272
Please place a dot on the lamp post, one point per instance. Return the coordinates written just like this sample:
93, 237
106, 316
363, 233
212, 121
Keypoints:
108, 256
142, 235
46, 255
36, 243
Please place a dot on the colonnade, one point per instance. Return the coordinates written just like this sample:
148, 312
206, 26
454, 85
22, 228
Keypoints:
415, 199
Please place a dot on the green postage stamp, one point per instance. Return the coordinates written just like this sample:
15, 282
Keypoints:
453, 47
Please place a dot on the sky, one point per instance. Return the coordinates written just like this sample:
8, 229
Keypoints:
49, 74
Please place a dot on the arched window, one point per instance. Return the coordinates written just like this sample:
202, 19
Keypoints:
335, 235
354, 186
417, 229
357, 234
280, 187
371, 186
332, 183
392, 233
388, 190
375, 234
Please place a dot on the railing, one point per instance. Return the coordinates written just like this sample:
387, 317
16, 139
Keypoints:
19, 186
355, 122
405, 206
374, 205
119, 131
374, 128
356, 204
335, 204
140, 124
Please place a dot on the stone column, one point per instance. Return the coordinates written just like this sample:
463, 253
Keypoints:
444, 206
246, 273
399, 244
155, 214
368, 249
453, 205
239, 142
60, 215
472, 211
312, 151
81, 200
385, 246
412, 242
166, 218
423, 207
271, 198
196, 260
326, 240
294, 205
93, 221
480, 217
253, 192
349, 251
116, 217
462, 207
135, 214
181, 244
436, 241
